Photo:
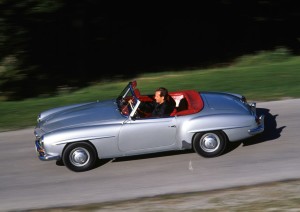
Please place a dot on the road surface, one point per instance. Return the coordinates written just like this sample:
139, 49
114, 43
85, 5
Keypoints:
28, 183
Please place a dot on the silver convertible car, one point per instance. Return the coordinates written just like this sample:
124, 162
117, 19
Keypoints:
78, 135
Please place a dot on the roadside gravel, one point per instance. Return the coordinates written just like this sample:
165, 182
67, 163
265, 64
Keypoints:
275, 196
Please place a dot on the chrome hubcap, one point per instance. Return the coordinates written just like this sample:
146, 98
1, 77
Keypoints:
79, 156
210, 142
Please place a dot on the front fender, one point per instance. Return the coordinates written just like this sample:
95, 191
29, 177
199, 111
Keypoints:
54, 142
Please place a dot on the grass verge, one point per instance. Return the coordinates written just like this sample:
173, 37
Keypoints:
263, 81
274, 196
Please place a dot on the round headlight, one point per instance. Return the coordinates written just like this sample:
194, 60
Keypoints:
38, 118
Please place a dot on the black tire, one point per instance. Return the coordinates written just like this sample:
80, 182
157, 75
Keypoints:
210, 144
79, 157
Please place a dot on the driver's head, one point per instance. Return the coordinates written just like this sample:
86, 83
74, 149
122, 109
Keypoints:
160, 95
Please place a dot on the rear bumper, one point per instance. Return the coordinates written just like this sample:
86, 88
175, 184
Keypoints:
260, 128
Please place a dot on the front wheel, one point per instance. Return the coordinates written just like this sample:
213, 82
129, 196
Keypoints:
210, 144
79, 157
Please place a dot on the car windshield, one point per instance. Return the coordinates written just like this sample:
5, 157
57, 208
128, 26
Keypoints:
124, 105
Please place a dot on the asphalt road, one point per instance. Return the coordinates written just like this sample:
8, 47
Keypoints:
28, 183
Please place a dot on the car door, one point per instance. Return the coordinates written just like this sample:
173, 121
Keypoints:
147, 134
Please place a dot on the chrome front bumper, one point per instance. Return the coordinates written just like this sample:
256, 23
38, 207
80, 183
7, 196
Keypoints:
43, 155
260, 128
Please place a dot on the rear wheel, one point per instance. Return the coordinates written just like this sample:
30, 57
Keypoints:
79, 157
210, 144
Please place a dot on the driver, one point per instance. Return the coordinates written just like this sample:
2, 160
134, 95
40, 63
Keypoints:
164, 104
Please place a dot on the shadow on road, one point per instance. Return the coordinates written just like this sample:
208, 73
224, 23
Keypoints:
271, 131
153, 155
98, 162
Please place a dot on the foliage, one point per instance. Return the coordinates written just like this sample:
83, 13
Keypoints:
21, 29
280, 54
258, 83
60, 43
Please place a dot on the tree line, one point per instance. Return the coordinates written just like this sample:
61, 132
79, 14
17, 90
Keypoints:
45, 45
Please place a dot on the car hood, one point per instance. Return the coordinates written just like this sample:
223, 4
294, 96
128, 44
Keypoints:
80, 115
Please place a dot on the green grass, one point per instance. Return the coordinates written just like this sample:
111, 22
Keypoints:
266, 80
273, 196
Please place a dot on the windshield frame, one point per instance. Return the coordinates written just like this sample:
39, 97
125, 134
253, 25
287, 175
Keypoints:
123, 99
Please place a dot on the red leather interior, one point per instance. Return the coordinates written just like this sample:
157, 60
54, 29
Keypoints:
193, 98
195, 102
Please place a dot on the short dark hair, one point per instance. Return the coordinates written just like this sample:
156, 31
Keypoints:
163, 91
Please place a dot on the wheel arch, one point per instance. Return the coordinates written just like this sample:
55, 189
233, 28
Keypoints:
196, 133
211, 143
80, 141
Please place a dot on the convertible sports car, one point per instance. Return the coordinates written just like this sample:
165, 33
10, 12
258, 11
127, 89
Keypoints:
78, 135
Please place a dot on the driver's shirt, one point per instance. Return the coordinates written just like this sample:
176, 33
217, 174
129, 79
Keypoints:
163, 109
